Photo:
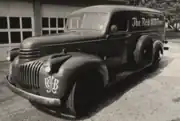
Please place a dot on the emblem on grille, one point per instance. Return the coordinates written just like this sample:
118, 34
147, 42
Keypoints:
51, 84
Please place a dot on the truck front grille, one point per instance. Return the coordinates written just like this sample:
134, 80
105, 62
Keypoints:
29, 74
29, 54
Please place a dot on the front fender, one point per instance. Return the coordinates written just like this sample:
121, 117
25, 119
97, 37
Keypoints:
77, 63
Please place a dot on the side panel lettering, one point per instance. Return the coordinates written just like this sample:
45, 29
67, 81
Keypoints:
146, 22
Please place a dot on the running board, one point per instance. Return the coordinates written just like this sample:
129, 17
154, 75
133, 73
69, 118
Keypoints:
123, 75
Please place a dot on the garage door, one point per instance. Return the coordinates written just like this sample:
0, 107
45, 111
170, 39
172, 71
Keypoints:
54, 17
15, 24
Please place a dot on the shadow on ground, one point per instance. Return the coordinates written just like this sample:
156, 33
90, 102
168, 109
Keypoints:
115, 92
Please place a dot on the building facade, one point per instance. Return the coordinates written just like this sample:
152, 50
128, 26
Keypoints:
20, 19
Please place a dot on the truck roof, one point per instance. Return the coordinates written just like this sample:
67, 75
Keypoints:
112, 8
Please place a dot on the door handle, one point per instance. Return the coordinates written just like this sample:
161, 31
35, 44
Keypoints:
126, 35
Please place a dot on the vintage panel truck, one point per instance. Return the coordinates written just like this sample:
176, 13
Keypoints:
71, 69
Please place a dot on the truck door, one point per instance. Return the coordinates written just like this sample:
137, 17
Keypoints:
116, 43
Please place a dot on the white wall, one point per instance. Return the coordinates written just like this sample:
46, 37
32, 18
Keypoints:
57, 10
15, 8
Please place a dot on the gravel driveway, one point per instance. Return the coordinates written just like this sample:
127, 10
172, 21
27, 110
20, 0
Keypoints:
143, 97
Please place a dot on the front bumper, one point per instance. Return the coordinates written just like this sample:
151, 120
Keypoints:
35, 98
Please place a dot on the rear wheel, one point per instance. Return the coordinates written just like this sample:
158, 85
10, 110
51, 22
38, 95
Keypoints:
156, 61
143, 51
85, 94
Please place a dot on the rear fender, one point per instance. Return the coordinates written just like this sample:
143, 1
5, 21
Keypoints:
158, 45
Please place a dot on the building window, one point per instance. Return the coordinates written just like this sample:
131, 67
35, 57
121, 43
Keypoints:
45, 32
14, 22
45, 22
60, 31
53, 22
26, 22
15, 29
51, 25
27, 34
60, 22
4, 38
3, 22
15, 37
53, 31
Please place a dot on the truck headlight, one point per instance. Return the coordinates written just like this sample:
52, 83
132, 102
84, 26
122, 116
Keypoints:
47, 67
8, 58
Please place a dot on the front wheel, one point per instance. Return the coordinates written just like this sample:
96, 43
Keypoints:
85, 94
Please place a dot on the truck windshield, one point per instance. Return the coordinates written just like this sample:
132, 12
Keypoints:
87, 21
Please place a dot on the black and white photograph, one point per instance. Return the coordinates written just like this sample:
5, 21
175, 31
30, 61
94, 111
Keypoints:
93, 60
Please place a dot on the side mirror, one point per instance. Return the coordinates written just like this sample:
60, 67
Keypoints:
113, 28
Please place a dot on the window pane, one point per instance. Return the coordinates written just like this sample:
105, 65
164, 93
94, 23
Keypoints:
60, 22
74, 23
15, 37
120, 23
27, 34
26, 22
65, 20
60, 31
45, 22
53, 31
45, 32
4, 38
14, 22
53, 22
3, 23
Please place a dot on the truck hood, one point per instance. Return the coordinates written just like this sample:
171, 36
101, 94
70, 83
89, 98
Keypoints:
63, 38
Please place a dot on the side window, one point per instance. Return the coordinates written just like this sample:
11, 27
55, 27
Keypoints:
119, 20
74, 22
